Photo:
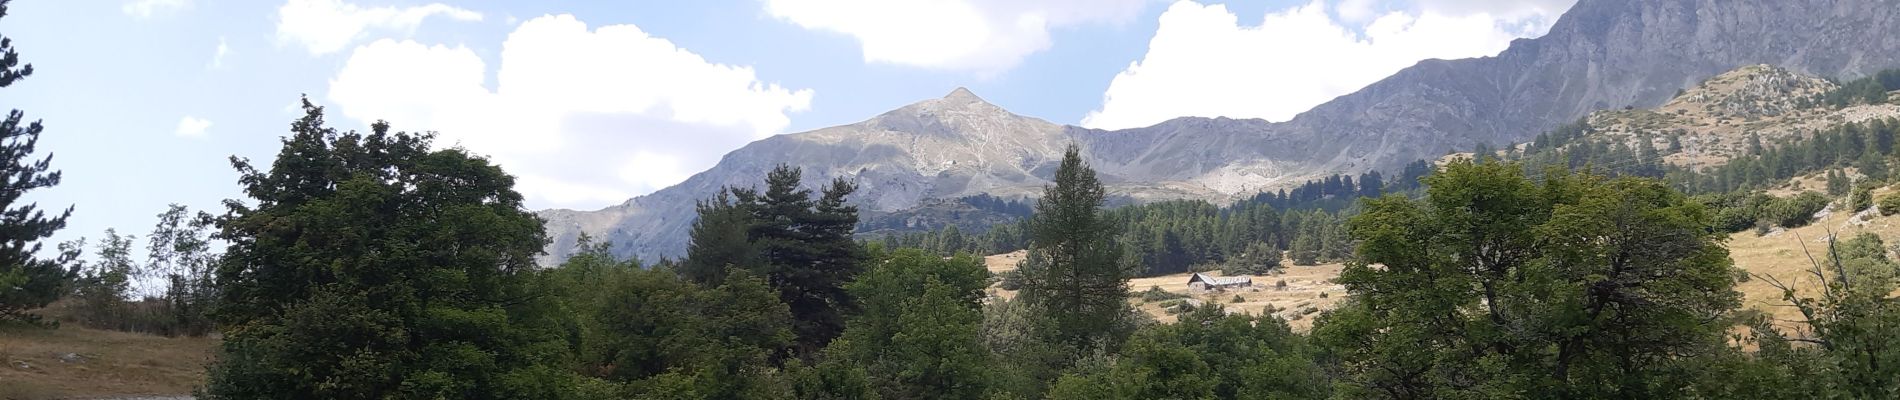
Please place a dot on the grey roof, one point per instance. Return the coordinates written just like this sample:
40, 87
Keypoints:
1221, 280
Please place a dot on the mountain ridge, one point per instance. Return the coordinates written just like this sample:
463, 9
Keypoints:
1601, 54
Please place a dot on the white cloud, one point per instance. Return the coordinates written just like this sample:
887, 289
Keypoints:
1202, 62
147, 8
192, 127
985, 36
1505, 9
327, 26
565, 100
217, 58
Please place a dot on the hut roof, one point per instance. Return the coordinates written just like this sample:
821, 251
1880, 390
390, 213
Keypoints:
1220, 280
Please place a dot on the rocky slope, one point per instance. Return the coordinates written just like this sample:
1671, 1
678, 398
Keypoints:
1712, 121
1601, 55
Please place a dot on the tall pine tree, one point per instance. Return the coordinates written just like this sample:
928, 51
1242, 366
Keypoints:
26, 280
801, 245
718, 241
1077, 274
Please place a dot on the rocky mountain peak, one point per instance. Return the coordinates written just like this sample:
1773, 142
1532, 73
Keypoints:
962, 95
960, 112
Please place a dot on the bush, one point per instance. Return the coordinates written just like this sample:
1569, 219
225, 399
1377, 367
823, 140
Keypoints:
1175, 307
1238, 299
1154, 294
1012, 280
1248, 268
1862, 198
1797, 211
1890, 204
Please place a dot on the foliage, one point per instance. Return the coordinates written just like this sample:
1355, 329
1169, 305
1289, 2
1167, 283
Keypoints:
1574, 287
1246, 237
1209, 354
801, 246
370, 266
104, 285
27, 280
805, 251
1890, 204
1075, 271
677, 337
1861, 198
719, 241
1854, 324
917, 336
1154, 294
179, 251
1737, 212
1865, 146
1869, 90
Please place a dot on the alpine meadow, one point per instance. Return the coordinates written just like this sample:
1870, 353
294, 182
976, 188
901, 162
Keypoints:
1330, 199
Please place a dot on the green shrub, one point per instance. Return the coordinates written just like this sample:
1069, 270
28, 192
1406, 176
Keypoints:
1154, 294
1797, 211
1890, 204
1862, 198
1012, 280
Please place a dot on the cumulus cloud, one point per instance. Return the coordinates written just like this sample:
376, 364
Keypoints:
217, 57
147, 8
327, 26
1203, 62
1507, 9
192, 127
985, 36
567, 100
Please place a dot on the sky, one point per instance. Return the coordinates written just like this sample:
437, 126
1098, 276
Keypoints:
589, 103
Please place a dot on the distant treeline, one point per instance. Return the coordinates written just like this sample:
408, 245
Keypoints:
1869, 90
1248, 236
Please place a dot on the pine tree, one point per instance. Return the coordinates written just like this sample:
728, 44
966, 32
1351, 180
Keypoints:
1080, 281
806, 251
718, 241
27, 281
1306, 248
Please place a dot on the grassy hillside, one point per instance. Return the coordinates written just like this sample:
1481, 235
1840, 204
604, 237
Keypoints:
73, 362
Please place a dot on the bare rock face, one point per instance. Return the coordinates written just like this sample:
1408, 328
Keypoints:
955, 146
1601, 55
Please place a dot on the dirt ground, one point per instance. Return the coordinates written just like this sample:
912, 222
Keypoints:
71, 362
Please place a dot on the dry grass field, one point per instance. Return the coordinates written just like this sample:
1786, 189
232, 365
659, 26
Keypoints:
1308, 290
79, 363
1784, 255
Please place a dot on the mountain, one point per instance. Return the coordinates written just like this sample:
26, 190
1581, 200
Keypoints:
955, 146
1600, 55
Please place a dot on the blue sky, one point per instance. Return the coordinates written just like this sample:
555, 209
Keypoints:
592, 102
